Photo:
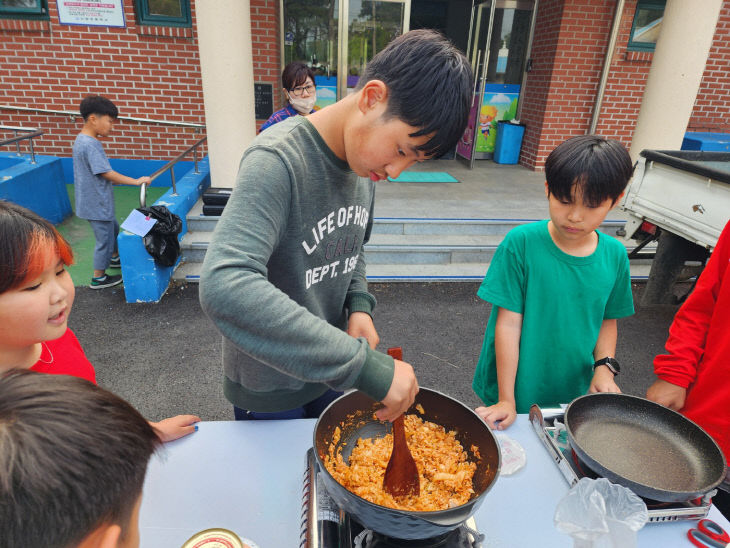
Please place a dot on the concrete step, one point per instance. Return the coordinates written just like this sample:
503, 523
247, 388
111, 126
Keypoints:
400, 249
455, 272
408, 249
197, 222
438, 226
187, 272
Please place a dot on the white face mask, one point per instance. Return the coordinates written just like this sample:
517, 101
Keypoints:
303, 105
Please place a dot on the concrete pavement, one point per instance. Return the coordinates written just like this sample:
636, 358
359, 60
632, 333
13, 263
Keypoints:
165, 358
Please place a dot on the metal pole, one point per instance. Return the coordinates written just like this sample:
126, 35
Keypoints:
32, 152
483, 81
342, 49
17, 143
606, 66
195, 158
76, 114
406, 16
172, 176
527, 61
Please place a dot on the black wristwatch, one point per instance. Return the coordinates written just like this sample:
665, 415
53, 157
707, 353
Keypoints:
611, 363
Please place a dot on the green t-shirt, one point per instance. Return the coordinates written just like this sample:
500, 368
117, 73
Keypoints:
563, 300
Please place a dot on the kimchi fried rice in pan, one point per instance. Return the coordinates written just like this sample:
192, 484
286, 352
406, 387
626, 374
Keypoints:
444, 471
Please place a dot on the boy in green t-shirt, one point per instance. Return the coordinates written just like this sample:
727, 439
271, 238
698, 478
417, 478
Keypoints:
557, 288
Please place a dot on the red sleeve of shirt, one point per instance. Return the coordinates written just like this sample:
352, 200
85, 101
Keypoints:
64, 356
688, 332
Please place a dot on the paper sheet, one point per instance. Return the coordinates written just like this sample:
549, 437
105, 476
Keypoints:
138, 223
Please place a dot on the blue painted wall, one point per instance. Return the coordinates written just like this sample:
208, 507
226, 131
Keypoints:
145, 280
40, 187
8, 161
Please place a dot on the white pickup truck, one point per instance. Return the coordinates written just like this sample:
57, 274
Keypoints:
681, 198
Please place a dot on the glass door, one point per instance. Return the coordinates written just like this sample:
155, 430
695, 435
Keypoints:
480, 30
337, 38
372, 24
310, 29
499, 42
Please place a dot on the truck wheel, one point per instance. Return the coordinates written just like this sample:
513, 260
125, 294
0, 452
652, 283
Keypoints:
671, 253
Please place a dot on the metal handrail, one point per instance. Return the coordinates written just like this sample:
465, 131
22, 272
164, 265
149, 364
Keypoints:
18, 138
169, 165
76, 114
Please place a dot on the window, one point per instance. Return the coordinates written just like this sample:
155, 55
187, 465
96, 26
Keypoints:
24, 9
169, 13
647, 25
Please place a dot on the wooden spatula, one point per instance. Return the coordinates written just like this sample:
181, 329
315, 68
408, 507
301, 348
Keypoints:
401, 474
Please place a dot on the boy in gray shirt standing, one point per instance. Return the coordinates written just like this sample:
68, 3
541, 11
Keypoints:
93, 179
284, 275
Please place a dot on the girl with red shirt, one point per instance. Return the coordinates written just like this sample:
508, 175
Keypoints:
36, 295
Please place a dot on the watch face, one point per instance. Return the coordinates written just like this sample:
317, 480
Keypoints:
611, 363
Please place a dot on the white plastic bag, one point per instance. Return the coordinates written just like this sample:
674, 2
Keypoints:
513, 455
600, 514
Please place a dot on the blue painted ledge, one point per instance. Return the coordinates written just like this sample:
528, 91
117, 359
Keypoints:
144, 280
40, 187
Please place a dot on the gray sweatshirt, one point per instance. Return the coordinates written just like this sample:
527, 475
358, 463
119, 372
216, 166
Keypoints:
284, 269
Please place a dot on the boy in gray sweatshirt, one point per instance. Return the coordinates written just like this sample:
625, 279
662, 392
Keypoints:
284, 275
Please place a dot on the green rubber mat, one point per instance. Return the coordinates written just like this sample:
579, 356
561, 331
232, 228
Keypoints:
79, 234
424, 177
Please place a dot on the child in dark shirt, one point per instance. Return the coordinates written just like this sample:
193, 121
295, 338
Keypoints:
284, 276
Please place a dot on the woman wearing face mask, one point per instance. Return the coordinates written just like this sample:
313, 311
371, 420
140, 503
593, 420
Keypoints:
300, 90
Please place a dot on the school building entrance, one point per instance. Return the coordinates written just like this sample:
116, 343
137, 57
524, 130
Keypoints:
562, 67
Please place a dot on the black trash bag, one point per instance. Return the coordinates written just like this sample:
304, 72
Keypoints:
161, 241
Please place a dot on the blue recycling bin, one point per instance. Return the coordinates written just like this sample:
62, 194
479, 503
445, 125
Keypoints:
509, 142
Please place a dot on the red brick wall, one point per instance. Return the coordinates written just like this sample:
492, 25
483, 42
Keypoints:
712, 107
149, 72
266, 42
535, 102
154, 73
626, 82
568, 50
568, 67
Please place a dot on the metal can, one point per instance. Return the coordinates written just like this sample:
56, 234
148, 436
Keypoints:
217, 538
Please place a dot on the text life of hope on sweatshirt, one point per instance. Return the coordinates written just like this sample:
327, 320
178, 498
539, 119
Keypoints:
341, 244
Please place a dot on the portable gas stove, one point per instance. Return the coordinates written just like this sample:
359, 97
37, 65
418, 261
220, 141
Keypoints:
547, 424
324, 525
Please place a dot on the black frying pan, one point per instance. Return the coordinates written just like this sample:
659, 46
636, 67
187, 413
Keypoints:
652, 450
353, 414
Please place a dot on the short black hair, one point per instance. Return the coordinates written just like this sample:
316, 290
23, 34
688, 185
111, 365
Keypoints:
295, 74
73, 458
96, 104
600, 167
429, 85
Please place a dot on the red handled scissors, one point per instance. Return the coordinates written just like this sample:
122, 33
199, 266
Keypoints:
709, 534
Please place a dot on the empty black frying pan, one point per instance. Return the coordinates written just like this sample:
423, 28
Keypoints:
654, 451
